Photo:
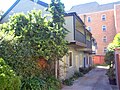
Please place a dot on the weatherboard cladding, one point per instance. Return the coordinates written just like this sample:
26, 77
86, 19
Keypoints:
17, 1
92, 7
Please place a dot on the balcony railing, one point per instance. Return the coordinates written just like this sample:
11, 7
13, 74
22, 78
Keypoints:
79, 37
89, 44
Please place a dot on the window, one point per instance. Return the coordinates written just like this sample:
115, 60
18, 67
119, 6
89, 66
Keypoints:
104, 28
89, 19
89, 29
105, 49
104, 39
70, 58
103, 17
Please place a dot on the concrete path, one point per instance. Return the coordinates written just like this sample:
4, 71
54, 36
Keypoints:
94, 80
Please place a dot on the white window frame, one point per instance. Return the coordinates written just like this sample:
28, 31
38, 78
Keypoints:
89, 28
104, 27
103, 17
105, 39
105, 49
89, 19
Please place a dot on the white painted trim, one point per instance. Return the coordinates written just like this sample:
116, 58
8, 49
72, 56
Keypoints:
102, 17
105, 28
105, 48
105, 38
89, 28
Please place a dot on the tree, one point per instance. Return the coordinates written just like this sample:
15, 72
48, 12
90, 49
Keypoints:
56, 8
116, 40
109, 57
26, 38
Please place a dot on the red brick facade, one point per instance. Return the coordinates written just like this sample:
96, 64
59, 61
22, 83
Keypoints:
117, 17
97, 23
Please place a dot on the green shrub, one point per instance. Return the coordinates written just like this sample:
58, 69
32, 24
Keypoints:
77, 75
110, 73
8, 79
35, 83
52, 83
68, 82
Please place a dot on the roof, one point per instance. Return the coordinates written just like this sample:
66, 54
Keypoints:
74, 14
92, 7
17, 1
80, 20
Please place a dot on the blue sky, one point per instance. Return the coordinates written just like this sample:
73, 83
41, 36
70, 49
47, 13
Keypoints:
5, 4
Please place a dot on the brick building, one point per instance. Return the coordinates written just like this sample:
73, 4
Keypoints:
103, 21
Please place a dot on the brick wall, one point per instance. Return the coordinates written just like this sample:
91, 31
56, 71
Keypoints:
96, 28
117, 18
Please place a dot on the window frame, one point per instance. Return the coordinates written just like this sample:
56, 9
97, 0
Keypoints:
105, 39
89, 19
103, 18
89, 29
104, 28
105, 49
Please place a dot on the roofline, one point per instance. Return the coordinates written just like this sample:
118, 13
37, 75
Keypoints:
74, 14
41, 3
96, 12
17, 1
84, 4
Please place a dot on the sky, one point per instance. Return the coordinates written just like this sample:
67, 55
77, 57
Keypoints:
5, 4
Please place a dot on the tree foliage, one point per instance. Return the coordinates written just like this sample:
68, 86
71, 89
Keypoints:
27, 37
109, 57
116, 40
8, 78
56, 8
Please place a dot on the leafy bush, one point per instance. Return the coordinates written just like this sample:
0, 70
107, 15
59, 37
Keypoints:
8, 79
109, 58
77, 75
110, 73
68, 82
35, 83
52, 83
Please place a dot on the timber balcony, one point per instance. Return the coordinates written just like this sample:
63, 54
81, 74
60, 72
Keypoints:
78, 35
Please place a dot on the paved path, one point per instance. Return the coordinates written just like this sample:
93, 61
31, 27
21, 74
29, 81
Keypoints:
94, 80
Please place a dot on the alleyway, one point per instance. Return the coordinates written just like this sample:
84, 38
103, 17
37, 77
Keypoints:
94, 80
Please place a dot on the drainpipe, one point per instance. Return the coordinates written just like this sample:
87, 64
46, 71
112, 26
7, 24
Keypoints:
84, 16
